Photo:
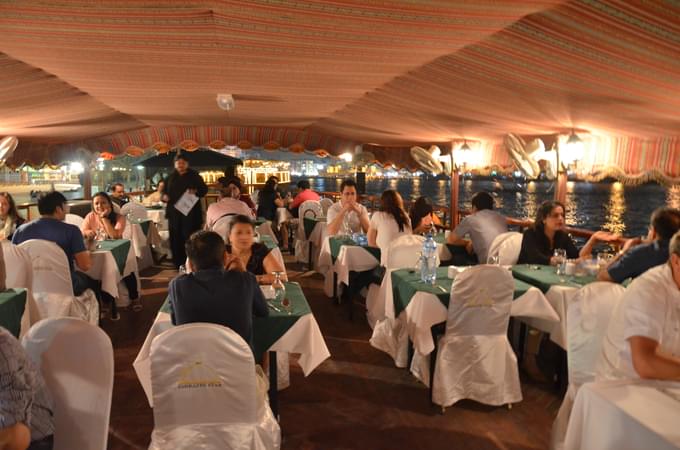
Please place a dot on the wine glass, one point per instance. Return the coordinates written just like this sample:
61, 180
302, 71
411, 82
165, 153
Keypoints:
279, 288
560, 255
287, 306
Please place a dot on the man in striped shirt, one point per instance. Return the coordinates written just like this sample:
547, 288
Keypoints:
26, 410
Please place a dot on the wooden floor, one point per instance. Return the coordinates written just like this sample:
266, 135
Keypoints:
355, 400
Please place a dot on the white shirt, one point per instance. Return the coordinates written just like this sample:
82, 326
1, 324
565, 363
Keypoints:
388, 231
354, 222
483, 227
649, 308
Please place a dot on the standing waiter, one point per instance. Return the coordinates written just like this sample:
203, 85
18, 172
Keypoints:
182, 180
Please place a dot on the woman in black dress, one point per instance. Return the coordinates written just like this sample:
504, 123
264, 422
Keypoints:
547, 234
182, 180
256, 257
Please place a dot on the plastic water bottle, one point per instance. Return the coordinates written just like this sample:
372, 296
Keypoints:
428, 268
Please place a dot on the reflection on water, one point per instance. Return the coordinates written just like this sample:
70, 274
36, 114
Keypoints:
609, 206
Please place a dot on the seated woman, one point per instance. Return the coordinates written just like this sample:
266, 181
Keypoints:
422, 216
9, 217
103, 218
547, 234
389, 223
256, 257
155, 197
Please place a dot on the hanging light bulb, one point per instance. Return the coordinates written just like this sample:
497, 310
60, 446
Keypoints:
225, 101
573, 149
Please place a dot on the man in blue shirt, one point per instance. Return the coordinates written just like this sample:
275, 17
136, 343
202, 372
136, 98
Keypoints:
51, 227
637, 256
217, 290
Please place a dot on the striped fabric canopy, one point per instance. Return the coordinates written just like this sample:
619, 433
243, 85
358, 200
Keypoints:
108, 75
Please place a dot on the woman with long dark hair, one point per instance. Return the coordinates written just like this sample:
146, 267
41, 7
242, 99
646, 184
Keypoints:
9, 217
103, 219
422, 216
547, 234
388, 223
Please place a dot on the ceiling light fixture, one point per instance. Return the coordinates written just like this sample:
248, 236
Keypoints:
225, 102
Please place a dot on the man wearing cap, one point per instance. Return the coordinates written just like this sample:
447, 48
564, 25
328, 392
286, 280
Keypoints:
229, 203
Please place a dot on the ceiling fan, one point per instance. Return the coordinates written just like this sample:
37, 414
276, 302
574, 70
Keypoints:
428, 159
7, 146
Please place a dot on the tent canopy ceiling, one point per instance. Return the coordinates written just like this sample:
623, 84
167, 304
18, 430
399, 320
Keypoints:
337, 73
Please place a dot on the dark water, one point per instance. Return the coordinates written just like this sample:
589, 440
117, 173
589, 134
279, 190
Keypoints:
593, 206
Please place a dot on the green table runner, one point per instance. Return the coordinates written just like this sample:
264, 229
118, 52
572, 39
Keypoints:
119, 248
12, 305
544, 277
268, 330
259, 221
405, 284
336, 242
154, 207
268, 241
310, 223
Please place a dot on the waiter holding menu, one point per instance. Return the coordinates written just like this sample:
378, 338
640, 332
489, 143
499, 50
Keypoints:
183, 184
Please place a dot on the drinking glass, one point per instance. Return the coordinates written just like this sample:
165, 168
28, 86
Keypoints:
279, 288
561, 260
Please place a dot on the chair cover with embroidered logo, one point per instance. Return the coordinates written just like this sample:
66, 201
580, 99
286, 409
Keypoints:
475, 360
507, 247
588, 316
205, 392
76, 360
51, 286
74, 219
134, 211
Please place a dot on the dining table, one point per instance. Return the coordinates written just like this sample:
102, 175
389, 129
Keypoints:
291, 329
12, 306
412, 307
559, 290
112, 260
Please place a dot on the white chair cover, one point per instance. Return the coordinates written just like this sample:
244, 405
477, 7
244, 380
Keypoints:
74, 219
205, 392
135, 211
51, 286
76, 360
222, 226
325, 204
507, 247
475, 359
312, 209
588, 317
19, 274
51, 272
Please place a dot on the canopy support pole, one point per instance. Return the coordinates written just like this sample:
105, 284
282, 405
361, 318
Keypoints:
561, 182
453, 206
87, 185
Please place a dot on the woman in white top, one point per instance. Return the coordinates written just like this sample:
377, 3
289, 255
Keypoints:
347, 210
389, 223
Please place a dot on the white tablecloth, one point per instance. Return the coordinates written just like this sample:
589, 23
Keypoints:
559, 298
625, 415
425, 310
304, 338
265, 229
350, 258
105, 269
283, 215
158, 217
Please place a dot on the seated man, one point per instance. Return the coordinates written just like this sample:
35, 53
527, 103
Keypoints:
483, 225
26, 409
347, 211
305, 193
637, 256
642, 340
118, 194
217, 290
229, 202
51, 227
